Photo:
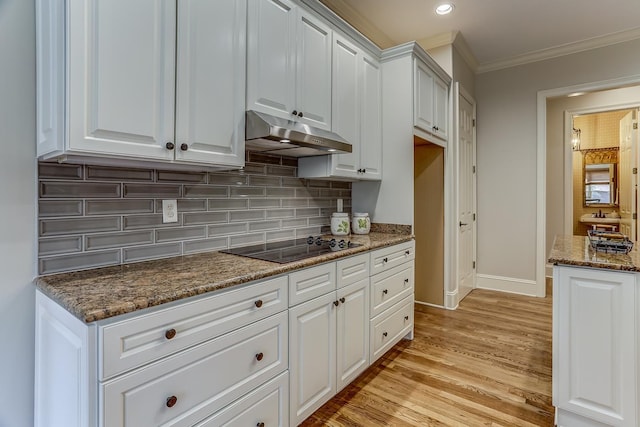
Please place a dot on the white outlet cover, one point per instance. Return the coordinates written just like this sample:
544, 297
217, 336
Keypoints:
169, 211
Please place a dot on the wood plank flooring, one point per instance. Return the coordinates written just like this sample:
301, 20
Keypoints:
488, 363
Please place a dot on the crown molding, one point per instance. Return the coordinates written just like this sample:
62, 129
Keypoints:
414, 49
557, 51
461, 46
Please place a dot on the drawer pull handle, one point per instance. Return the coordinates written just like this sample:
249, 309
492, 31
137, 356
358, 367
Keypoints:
384, 334
385, 291
336, 303
385, 259
260, 425
258, 303
170, 333
342, 300
259, 356
171, 401
407, 252
406, 317
406, 280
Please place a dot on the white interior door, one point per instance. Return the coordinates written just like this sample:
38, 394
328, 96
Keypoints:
466, 195
627, 181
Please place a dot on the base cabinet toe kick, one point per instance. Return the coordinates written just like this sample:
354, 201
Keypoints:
220, 358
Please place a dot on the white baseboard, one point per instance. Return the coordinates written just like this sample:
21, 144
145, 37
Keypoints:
429, 304
451, 300
506, 284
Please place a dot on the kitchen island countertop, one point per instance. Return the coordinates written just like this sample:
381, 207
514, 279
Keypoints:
98, 294
576, 251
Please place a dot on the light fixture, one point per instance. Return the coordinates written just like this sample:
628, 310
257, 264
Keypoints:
444, 8
285, 140
573, 94
575, 139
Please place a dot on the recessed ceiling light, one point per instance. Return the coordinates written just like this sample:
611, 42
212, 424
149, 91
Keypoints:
444, 8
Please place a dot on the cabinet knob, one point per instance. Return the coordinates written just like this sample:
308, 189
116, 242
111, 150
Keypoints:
170, 145
300, 114
258, 303
406, 280
406, 317
336, 303
170, 333
384, 334
385, 259
171, 401
259, 356
407, 252
342, 300
364, 170
295, 112
385, 291
184, 146
260, 424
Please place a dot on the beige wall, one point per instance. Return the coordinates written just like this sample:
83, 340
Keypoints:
429, 223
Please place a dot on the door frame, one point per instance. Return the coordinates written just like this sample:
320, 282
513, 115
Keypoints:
541, 162
452, 296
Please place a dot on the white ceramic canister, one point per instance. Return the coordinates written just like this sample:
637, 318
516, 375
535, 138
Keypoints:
340, 224
361, 224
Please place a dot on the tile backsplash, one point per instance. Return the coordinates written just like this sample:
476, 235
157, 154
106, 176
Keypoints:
95, 216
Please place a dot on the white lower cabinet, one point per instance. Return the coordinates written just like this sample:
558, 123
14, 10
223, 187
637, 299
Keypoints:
595, 356
268, 353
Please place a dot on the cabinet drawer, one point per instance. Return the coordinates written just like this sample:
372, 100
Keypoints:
391, 286
389, 327
351, 270
312, 282
386, 258
185, 388
265, 406
133, 342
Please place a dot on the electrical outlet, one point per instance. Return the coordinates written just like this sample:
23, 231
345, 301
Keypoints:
169, 211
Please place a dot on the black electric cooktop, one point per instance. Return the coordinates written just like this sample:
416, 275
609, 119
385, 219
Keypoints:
293, 250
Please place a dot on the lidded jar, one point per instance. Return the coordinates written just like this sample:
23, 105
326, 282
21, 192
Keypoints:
340, 224
361, 224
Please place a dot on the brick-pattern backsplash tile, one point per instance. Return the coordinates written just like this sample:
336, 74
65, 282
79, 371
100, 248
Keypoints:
95, 216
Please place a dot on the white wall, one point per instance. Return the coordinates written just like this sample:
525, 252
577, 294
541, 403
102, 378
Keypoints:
17, 211
506, 133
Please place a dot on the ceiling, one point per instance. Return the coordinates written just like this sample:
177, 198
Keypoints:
497, 31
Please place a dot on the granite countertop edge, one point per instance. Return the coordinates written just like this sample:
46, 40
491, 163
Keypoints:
576, 251
101, 293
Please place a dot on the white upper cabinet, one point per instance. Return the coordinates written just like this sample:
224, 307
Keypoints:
289, 63
355, 116
430, 102
127, 99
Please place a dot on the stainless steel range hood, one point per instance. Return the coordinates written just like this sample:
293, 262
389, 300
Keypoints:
274, 135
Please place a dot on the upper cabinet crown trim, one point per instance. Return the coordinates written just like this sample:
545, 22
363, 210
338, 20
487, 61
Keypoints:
413, 48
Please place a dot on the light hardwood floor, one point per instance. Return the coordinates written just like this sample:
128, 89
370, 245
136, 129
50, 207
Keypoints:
488, 363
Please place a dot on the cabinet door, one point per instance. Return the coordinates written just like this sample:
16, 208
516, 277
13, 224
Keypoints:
121, 77
345, 114
594, 355
440, 108
313, 71
210, 87
312, 355
371, 119
423, 97
271, 56
352, 323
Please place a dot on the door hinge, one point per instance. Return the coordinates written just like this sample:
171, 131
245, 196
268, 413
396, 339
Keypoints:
474, 168
473, 122
474, 265
474, 217
634, 171
635, 125
634, 216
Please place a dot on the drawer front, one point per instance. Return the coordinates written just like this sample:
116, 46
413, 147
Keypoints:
310, 283
187, 387
391, 286
389, 328
351, 270
131, 343
392, 256
266, 406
